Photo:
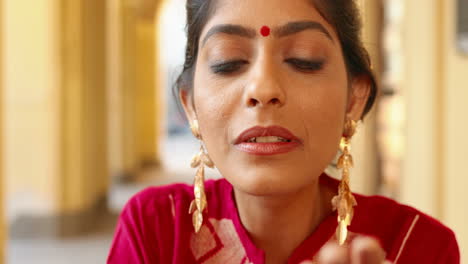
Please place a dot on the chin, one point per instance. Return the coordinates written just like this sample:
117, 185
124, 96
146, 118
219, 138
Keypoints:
268, 182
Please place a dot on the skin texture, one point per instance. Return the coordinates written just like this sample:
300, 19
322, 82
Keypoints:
278, 197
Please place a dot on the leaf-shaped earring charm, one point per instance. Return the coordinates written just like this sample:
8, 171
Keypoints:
207, 161
345, 201
199, 204
195, 161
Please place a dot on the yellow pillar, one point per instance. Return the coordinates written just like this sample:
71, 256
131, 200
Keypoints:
135, 94
454, 129
421, 80
3, 228
55, 114
434, 178
84, 176
365, 174
30, 106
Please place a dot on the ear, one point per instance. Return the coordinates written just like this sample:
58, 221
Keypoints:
187, 103
360, 91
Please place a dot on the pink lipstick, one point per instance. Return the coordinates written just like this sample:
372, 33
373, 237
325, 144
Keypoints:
265, 141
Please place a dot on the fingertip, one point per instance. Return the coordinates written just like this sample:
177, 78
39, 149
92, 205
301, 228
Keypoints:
332, 253
366, 250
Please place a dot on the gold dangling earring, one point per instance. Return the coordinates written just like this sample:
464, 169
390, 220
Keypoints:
199, 204
345, 201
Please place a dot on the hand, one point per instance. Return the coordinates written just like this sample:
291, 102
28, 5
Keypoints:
362, 250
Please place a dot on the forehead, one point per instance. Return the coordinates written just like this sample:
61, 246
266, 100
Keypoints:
258, 13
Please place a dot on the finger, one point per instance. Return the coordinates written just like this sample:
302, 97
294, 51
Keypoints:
332, 253
366, 250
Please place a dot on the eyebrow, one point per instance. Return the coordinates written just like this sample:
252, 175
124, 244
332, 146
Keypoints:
230, 30
299, 26
282, 31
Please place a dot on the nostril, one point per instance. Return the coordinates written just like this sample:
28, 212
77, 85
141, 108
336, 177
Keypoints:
253, 102
275, 101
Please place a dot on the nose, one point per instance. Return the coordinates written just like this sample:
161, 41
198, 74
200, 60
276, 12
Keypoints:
265, 87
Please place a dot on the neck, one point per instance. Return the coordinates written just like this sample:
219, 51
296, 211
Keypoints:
279, 224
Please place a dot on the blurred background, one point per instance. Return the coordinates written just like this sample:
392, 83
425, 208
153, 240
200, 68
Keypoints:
87, 117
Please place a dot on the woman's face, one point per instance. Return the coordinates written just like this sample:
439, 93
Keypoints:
294, 78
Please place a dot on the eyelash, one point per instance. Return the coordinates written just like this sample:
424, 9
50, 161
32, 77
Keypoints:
306, 65
228, 67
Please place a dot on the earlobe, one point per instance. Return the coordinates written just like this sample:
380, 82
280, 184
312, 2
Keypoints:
360, 91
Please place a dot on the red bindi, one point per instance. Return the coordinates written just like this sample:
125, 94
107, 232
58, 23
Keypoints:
265, 31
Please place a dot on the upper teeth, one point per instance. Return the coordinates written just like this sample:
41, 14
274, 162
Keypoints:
269, 139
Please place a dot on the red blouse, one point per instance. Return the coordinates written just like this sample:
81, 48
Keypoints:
155, 227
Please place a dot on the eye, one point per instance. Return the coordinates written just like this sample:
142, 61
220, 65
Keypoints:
305, 65
227, 67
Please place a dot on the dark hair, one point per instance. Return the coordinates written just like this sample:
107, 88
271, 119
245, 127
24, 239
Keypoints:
343, 15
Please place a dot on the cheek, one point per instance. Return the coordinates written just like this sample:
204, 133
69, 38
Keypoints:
323, 124
214, 106
322, 98
321, 107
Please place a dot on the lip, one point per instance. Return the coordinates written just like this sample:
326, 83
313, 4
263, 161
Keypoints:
267, 148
